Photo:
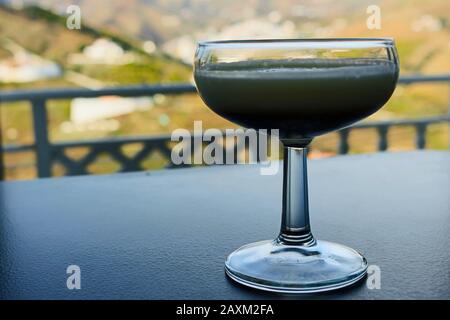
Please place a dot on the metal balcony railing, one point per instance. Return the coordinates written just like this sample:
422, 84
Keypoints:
48, 153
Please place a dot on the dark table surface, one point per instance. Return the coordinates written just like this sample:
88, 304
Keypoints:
165, 235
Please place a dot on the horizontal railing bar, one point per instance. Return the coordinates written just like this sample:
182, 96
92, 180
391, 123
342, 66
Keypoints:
149, 90
12, 148
69, 93
421, 78
400, 122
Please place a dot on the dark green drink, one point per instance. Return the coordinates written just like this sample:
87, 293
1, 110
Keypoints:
302, 97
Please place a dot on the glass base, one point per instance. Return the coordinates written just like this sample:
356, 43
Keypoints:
287, 268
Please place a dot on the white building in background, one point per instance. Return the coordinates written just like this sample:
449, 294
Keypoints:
24, 67
86, 110
102, 51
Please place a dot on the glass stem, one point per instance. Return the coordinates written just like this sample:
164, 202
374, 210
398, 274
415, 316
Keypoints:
295, 227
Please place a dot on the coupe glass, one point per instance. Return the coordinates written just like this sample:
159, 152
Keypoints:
304, 88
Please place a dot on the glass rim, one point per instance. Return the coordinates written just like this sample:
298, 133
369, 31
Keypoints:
386, 40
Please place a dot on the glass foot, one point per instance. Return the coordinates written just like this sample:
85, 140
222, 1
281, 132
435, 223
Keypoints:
274, 266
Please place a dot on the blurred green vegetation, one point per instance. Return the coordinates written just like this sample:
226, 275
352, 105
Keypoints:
147, 71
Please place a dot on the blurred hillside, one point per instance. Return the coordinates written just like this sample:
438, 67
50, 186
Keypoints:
163, 20
44, 33
421, 28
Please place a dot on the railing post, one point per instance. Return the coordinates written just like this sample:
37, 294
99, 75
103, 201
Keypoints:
41, 141
343, 141
382, 137
421, 135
